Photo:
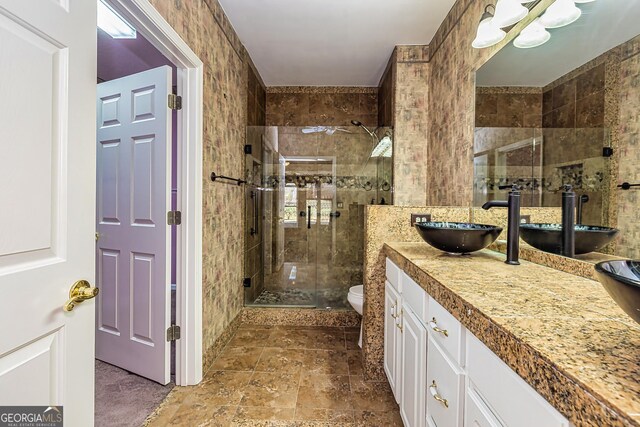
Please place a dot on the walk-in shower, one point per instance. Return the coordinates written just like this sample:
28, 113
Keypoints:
304, 217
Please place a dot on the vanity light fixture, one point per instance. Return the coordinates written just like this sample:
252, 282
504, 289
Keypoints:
113, 24
560, 13
533, 35
488, 33
509, 12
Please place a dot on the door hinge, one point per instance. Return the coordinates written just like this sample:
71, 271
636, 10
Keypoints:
174, 218
246, 282
173, 333
175, 102
248, 149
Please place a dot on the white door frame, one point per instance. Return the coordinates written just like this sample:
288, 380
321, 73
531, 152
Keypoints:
146, 19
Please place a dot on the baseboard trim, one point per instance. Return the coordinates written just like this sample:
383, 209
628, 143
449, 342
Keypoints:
220, 343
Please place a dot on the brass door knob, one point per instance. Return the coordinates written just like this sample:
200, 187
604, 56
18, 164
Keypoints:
80, 291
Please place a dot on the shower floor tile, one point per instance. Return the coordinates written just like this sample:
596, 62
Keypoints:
324, 298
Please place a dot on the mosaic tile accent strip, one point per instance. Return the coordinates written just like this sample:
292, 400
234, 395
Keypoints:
300, 317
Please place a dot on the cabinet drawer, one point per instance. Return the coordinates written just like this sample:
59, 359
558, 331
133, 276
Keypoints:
476, 413
445, 388
513, 401
447, 331
393, 275
415, 297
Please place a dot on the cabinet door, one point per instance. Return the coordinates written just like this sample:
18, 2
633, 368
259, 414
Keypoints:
392, 347
476, 413
413, 378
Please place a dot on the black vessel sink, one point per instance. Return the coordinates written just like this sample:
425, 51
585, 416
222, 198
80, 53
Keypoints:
548, 237
622, 280
458, 237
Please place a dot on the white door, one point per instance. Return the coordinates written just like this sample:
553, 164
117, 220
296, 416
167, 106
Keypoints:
391, 338
413, 368
47, 164
133, 268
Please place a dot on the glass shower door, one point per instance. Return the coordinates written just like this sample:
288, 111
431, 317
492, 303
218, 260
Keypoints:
312, 185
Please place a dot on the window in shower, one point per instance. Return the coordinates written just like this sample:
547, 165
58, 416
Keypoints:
290, 205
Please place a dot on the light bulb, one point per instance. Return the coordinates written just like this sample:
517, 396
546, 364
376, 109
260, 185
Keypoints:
533, 35
560, 13
509, 12
114, 24
488, 33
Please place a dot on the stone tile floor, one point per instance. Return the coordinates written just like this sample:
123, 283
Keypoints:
284, 376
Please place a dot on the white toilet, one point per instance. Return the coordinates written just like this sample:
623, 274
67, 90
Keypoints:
356, 299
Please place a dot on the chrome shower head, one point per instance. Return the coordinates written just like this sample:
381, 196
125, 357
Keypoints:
359, 123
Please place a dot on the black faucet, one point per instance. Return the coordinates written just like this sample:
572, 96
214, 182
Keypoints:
513, 221
568, 221
581, 201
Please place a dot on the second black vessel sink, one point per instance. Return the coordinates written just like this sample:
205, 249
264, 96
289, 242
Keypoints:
621, 279
458, 237
548, 237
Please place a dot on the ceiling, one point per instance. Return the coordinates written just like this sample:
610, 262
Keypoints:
122, 57
330, 42
604, 24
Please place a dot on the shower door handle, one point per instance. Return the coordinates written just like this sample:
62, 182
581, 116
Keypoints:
256, 212
309, 216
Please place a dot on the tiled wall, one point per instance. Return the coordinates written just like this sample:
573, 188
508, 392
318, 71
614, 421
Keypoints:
576, 101
326, 106
402, 103
204, 27
508, 107
386, 94
410, 152
629, 148
256, 97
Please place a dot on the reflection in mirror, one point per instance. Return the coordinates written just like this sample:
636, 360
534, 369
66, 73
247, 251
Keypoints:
544, 117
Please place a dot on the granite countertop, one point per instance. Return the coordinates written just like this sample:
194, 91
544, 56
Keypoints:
562, 333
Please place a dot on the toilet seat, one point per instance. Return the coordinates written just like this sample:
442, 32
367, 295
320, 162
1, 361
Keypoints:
357, 291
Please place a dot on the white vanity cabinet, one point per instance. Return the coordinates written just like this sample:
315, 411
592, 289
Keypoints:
405, 344
412, 381
392, 344
442, 375
509, 397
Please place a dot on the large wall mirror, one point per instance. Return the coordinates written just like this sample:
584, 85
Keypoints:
547, 116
